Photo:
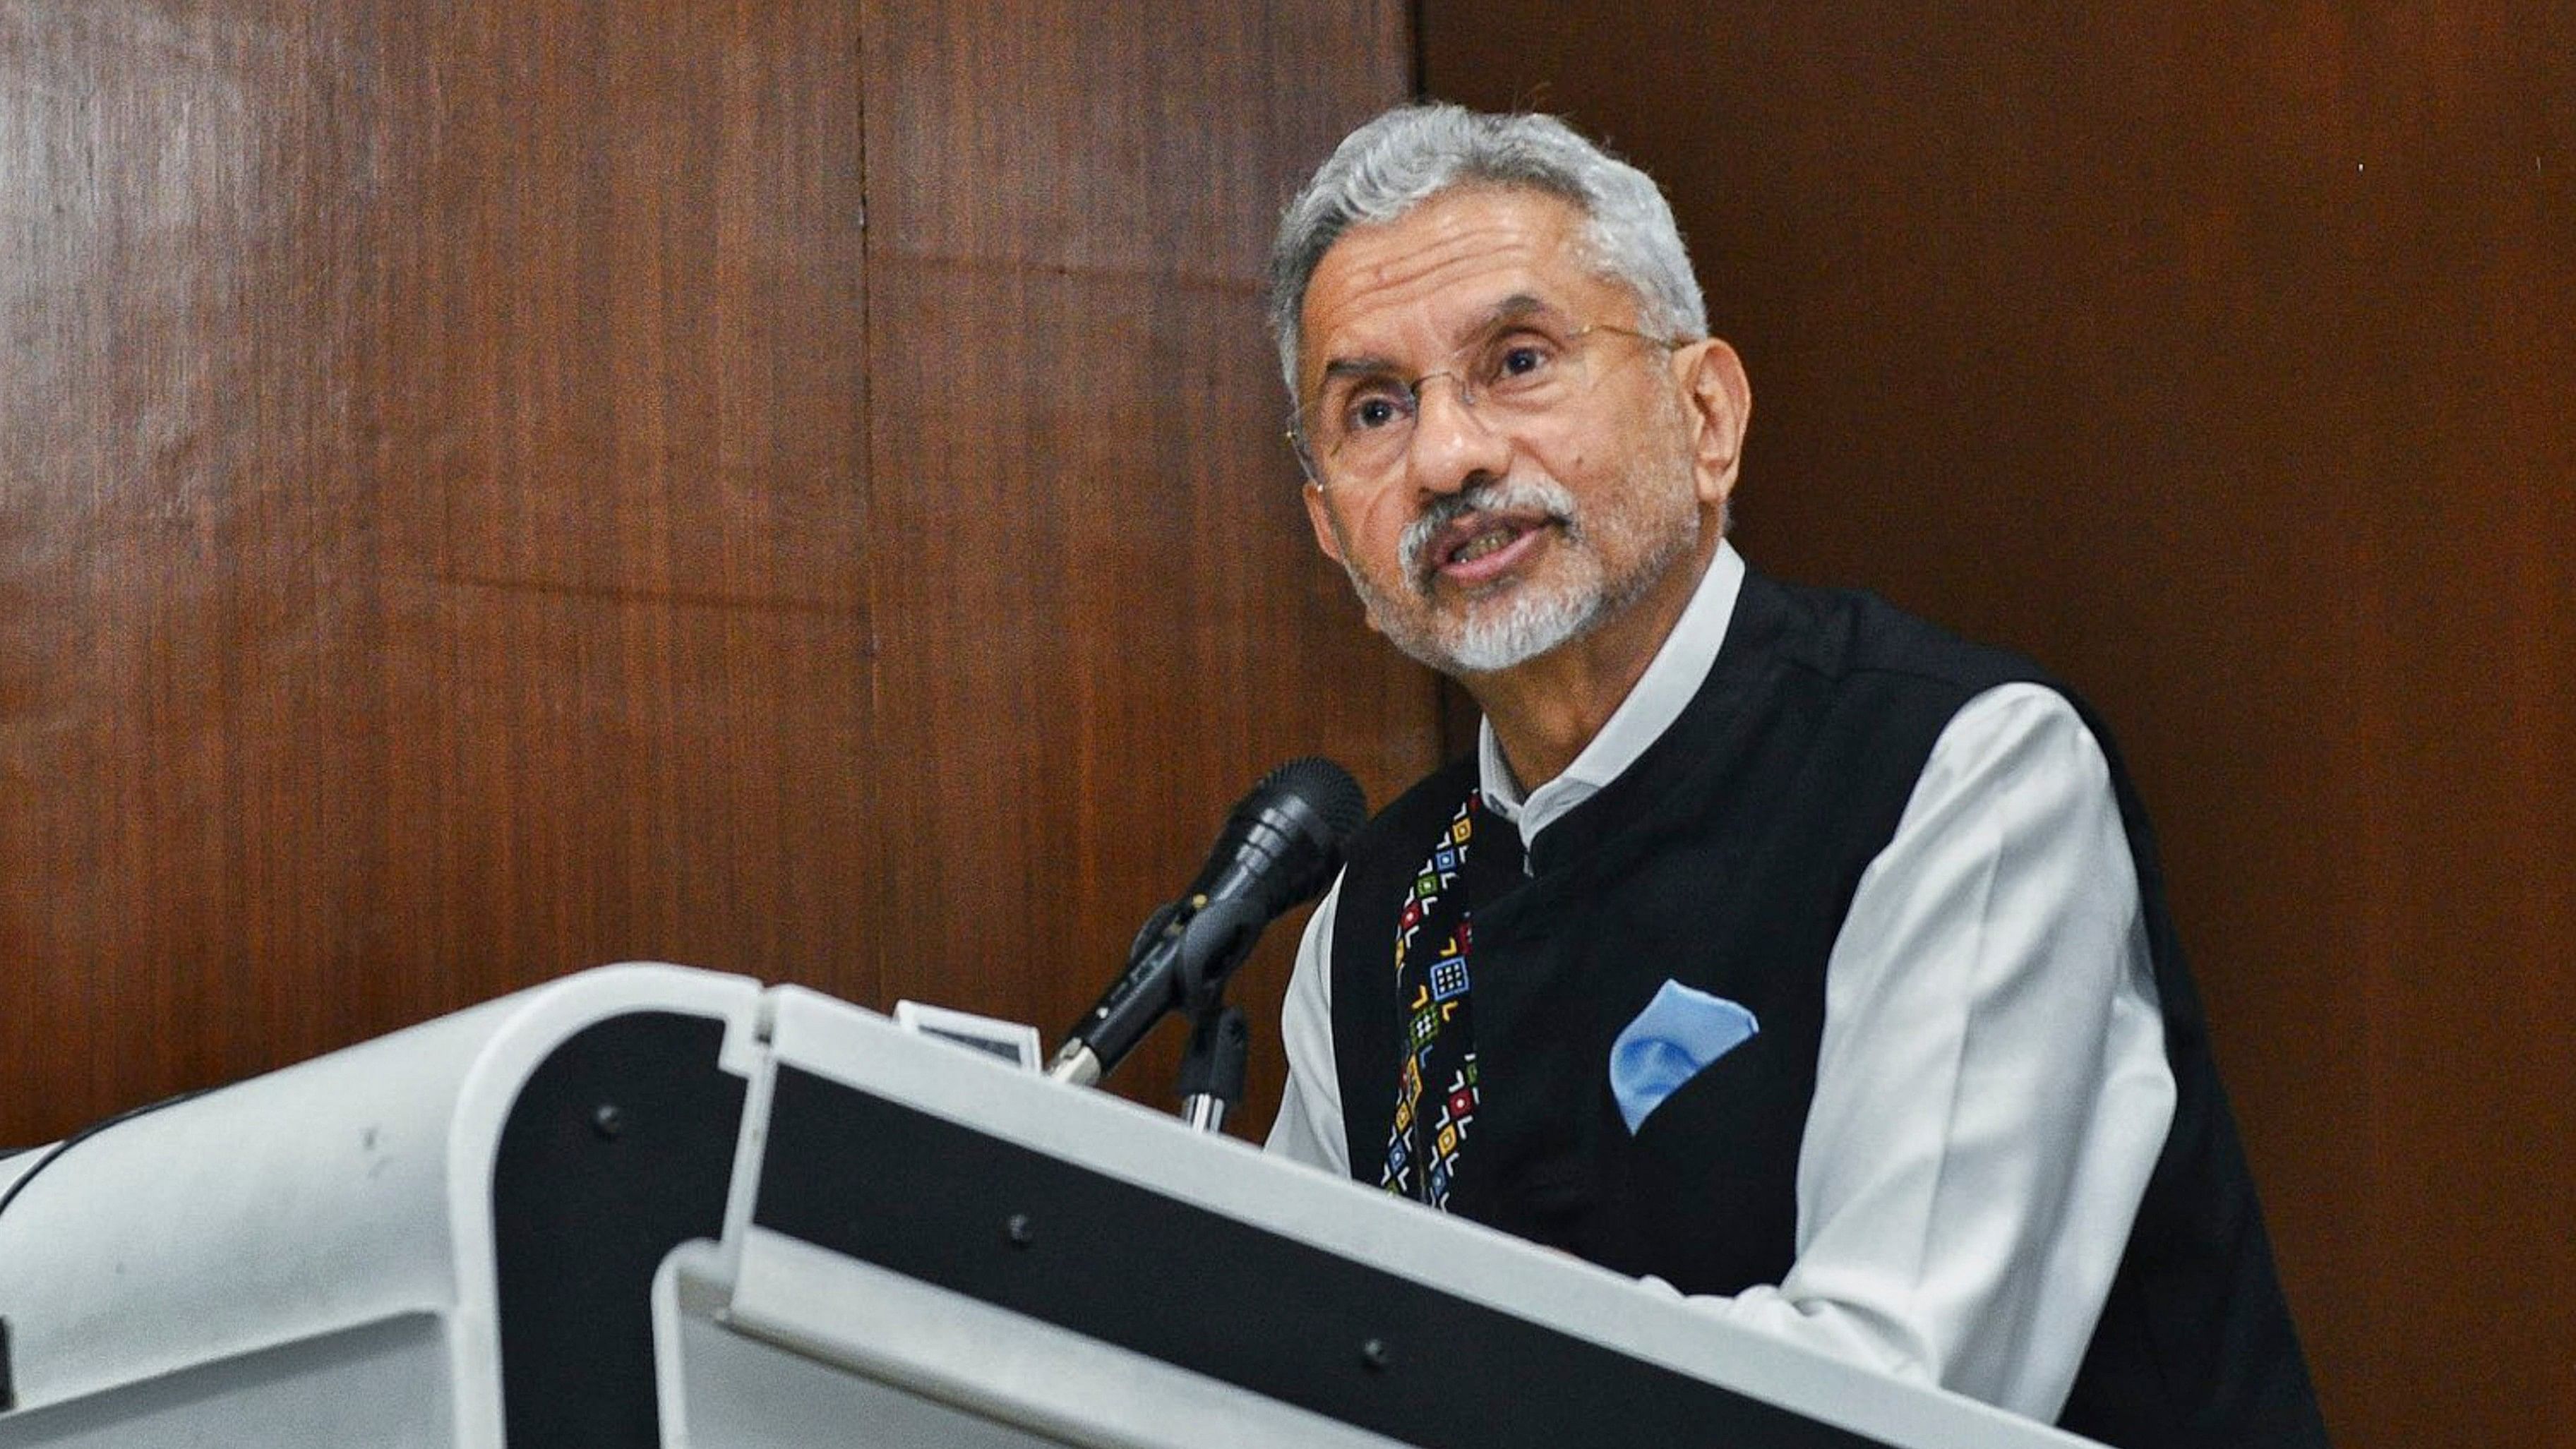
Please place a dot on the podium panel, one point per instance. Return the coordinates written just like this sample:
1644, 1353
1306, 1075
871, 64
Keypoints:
648, 1206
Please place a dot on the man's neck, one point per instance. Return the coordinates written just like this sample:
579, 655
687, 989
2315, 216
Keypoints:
1544, 712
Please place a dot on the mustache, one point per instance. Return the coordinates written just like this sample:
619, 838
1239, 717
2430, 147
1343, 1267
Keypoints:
1499, 495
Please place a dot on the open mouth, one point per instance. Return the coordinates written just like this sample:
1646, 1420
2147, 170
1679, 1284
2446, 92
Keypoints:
1482, 544
1476, 539
1479, 548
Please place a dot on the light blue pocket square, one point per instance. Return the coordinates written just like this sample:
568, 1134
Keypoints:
1679, 1033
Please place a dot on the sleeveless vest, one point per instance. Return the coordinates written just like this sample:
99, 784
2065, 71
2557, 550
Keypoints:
1726, 857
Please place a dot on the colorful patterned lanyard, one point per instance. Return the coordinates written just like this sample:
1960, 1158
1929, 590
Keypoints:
1431, 941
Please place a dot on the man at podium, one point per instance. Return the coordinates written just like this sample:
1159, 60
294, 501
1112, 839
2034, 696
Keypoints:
1773, 945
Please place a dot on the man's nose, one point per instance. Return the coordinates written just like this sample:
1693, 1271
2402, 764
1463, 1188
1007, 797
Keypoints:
1453, 444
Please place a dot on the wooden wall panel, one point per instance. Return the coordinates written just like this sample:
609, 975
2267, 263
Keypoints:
430, 551
492, 488
1102, 616
2216, 355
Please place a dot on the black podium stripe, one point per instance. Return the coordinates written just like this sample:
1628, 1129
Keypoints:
619, 1148
871, 1178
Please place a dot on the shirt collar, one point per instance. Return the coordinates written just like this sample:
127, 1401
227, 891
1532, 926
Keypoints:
1672, 677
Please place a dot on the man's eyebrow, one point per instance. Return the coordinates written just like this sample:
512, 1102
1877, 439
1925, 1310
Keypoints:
1518, 307
1358, 367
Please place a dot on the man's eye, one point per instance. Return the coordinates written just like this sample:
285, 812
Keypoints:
1517, 364
1371, 413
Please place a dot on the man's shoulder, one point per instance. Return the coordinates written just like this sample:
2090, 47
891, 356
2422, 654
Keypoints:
1853, 636
1880, 668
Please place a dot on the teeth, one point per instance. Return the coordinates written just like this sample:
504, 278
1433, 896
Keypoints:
1481, 545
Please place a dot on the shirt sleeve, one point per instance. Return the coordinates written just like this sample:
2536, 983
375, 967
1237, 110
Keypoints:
1309, 1126
1991, 1086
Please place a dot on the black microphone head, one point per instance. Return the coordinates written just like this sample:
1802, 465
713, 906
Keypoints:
1340, 806
1284, 841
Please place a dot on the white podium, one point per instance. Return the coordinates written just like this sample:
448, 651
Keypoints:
649, 1206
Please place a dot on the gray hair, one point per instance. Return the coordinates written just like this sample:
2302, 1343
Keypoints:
1412, 153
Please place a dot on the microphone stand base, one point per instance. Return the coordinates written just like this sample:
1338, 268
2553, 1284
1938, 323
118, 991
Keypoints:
1203, 1112
1212, 1068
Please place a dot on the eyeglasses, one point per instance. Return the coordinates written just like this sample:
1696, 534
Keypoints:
1359, 425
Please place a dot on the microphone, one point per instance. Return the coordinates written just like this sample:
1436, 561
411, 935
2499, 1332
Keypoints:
1278, 849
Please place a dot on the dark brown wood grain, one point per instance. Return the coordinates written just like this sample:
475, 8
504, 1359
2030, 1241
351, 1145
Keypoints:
496, 488
2218, 357
433, 548
1104, 616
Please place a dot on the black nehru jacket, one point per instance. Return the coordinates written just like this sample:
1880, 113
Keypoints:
1726, 858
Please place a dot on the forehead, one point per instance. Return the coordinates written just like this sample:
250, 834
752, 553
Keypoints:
1420, 280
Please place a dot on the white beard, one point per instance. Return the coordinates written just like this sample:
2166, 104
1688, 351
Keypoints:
1527, 624
1519, 620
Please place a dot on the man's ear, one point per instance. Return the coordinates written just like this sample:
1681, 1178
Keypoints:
1319, 513
1720, 400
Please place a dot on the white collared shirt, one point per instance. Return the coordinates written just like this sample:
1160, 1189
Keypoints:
1991, 1085
1672, 679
